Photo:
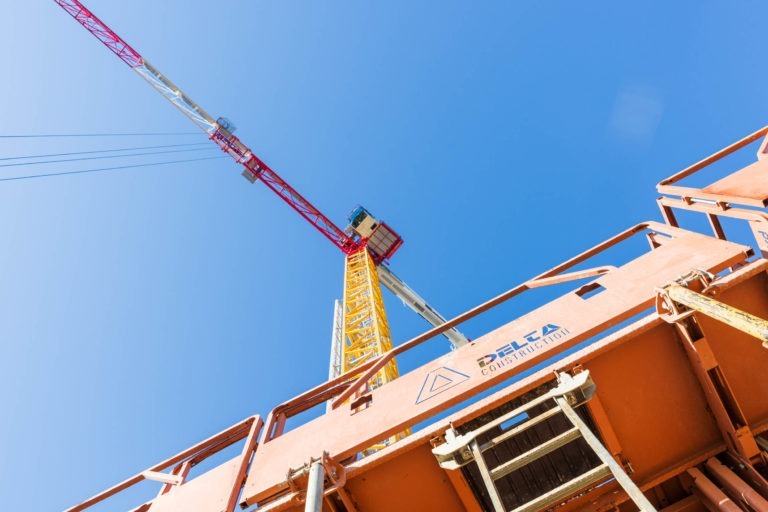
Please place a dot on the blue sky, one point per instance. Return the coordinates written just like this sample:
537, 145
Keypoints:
145, 309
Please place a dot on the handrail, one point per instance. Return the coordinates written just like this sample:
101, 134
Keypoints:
343, 387
667, 186
247, 429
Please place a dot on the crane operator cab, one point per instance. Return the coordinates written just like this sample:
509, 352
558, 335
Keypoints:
382, 242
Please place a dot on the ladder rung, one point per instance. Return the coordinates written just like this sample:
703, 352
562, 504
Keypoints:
568, 488
535, 454
520, 428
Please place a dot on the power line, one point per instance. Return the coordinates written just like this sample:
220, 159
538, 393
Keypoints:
20, 164
109, 168
104, 151
52, 135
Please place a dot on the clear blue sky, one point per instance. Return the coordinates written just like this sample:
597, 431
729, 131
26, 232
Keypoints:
145, 309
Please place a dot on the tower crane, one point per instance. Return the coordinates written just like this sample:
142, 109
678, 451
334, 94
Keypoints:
366, 243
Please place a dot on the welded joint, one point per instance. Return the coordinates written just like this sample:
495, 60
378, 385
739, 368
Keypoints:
676, 301
335, 478
672, 311
296, 478
695, 275
669, 310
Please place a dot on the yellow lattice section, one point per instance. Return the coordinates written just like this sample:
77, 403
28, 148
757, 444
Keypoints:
365, 332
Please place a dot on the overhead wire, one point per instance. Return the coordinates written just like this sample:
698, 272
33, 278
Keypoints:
104, 169
124, 152
53, 135
103, 151
20, 164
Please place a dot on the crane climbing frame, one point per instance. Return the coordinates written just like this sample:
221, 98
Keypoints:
642, 388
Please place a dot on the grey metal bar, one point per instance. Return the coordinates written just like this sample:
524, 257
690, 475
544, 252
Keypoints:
519, 428
315, 488
621, 476
483, 467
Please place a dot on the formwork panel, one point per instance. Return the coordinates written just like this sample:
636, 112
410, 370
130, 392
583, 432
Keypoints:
742, 358
648, 390
654, 401
412, 481
630, 289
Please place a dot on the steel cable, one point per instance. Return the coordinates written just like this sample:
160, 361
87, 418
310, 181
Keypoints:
103, 151
52, 135
110, 168
20, 164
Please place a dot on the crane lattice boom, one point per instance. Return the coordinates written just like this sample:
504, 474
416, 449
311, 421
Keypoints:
217, 129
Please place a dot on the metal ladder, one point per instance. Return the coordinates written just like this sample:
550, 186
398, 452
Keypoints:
460, 450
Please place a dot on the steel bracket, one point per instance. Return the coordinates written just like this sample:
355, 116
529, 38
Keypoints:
335, 476
672, 311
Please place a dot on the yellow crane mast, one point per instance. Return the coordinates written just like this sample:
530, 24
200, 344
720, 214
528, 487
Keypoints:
365, 331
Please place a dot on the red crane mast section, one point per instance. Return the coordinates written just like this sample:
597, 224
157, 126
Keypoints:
219, 130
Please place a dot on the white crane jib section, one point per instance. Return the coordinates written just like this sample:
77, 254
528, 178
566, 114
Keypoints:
414, 301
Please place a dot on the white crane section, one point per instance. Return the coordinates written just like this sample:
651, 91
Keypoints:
414, 301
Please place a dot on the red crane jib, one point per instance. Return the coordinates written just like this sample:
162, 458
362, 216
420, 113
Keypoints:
221, 136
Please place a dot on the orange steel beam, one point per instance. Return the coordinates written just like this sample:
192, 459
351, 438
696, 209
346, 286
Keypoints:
689, 504
540, 282
725, 407
603, 424
747, 472
463, 490
737, 487
720, 396
757, 220
711, 493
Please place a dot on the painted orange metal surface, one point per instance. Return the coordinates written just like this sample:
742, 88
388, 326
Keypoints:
680, 398
629, 290
748, 186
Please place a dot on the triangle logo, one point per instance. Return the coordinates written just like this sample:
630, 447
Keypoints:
439, 380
